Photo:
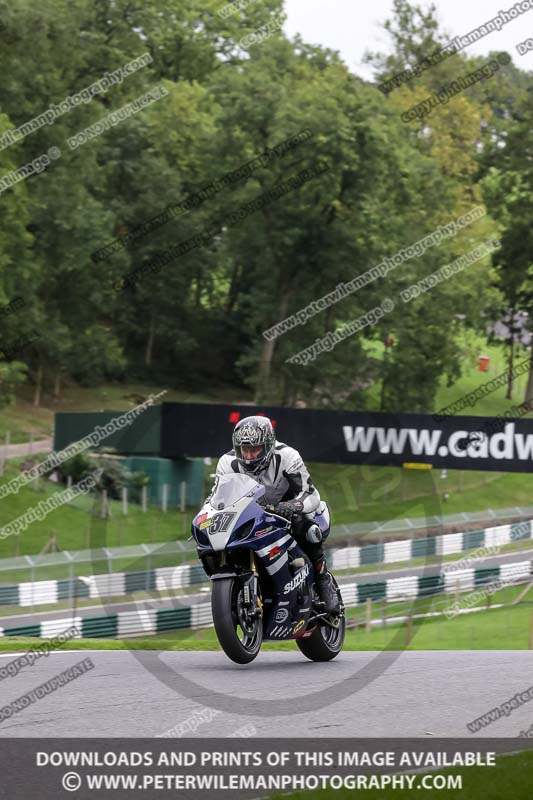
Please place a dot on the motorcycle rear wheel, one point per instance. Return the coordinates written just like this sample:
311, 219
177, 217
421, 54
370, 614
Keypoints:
326, 641
240, 636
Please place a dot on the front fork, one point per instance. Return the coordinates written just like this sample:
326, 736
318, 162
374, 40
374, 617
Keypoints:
251, 594
250, 600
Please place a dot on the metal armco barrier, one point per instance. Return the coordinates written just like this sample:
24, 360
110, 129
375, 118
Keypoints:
164, 579
423, 547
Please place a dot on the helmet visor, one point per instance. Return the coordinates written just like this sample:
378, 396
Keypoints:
250, 455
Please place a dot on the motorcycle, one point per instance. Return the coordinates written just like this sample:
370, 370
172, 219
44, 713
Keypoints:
262, 581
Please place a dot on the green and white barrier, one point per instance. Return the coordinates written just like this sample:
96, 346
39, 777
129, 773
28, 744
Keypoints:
147, 622
114, 584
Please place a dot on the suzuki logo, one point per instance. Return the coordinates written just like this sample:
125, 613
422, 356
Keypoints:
298, 579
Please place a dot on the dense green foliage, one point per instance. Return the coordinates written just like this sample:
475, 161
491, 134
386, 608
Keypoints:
198, 321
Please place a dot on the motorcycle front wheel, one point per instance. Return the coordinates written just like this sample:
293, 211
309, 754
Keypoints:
240, 634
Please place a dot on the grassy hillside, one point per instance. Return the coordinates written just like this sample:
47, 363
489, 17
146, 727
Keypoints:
365, 494
471, 378
75, 526
22, 417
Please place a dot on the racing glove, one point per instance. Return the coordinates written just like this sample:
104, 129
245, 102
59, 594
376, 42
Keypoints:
288, 508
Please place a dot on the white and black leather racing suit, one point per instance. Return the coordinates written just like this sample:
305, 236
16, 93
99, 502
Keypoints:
287, 478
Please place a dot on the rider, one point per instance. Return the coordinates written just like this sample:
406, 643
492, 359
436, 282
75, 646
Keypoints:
288, 490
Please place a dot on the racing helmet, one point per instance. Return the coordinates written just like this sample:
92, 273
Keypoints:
254, 432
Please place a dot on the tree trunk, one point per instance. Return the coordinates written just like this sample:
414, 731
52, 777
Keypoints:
265, 363
267, 353
529, 388
38, 384
57, 385
509, 394
150, 343
383, 381
233, 289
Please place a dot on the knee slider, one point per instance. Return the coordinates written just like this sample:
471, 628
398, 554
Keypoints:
313, 534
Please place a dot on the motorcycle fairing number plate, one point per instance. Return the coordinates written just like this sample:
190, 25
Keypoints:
220, 522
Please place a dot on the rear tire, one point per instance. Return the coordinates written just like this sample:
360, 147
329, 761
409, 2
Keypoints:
325, 642
241, 644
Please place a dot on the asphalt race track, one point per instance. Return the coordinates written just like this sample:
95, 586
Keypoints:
366, 694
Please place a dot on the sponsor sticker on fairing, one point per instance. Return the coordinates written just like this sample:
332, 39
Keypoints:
280, 630
298, 579
264, 530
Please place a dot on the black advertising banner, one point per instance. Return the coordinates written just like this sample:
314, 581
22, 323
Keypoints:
357, 437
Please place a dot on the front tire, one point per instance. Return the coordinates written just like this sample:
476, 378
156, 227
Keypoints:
240, 636
326, 641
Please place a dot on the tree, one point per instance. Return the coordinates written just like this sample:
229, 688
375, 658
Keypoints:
508, 190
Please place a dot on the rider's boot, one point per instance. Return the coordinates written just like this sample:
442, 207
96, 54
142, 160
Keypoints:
313, 545
325, 587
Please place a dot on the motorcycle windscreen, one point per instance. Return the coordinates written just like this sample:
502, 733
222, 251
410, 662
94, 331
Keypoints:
231, 488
